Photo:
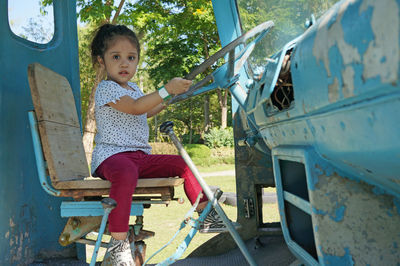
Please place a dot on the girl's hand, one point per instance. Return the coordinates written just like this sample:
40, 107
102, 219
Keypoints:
178, 85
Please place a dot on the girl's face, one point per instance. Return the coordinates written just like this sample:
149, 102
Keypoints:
120, 61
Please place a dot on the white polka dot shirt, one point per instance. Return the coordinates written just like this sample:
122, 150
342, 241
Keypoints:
117, 131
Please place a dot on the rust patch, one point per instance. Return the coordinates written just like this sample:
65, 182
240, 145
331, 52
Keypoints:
333, 91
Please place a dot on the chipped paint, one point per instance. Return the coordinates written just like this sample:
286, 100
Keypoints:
396, 203
368, 52
382, 55
351, 212
330, 34
346, 259
348, 82
333, 90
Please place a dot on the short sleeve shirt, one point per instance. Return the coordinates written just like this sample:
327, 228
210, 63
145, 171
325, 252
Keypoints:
117, 131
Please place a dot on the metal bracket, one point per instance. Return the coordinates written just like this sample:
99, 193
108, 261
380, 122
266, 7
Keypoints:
249, 208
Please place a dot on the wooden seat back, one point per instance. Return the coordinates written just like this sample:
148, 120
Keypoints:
58, 124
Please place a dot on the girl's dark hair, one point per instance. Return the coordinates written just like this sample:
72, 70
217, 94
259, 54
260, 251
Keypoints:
105, 34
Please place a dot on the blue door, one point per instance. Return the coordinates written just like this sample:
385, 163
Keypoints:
30, 221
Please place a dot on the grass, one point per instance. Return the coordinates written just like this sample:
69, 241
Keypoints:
165, 220
215, 168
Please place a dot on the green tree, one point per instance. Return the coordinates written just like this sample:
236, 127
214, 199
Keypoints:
175, 36
288, 16
178, 35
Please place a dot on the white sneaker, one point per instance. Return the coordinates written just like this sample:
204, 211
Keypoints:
214, 224
118, 253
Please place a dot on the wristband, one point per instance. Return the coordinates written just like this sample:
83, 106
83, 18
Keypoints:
163, 93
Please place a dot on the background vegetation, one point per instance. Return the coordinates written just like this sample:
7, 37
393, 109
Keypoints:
175, 36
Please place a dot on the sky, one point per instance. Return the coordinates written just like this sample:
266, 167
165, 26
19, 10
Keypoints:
20, 11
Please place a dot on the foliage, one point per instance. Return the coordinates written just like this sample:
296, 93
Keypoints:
163, 148
195, 139
37, 30
198, 151
178, 35
86, 71
288, 16
175, 36
218, 137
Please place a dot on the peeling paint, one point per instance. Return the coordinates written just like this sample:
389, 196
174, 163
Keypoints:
382, 55
329, 34
338, 213
396, 203
344, 260
333, 91
358, 217
378, 191
348, 82
369, 56
319, 212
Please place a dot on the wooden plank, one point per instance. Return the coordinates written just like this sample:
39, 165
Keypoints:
52, 96
105, 184
58, 124
63, 151
164, 192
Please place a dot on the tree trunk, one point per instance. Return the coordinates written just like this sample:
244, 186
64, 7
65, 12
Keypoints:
155, 128
89, 130
191, 127
207, 123
224, 116
223, 103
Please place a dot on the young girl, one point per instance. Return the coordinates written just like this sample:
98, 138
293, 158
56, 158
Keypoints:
122, 152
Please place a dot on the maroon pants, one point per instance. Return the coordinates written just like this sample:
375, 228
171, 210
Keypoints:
123, 171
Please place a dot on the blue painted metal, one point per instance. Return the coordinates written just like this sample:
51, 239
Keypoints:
91, 208
105, 213
228, 23
211, 197
300, 155
297, 201
339, 132
340, 135
40, 162
195, 223
30, 222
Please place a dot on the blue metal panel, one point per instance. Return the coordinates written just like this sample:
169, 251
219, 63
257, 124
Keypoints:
297, 201
228, 23
352, 221
30, 222
226, 16
91, 208
345, 94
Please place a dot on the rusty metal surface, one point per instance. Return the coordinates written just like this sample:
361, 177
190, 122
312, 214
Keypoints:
77, 227
355, 221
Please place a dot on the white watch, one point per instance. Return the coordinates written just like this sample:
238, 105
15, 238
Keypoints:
163, 93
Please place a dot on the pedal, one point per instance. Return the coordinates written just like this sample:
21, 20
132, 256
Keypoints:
143, 234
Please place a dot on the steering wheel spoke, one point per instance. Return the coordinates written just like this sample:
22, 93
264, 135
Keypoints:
234, 64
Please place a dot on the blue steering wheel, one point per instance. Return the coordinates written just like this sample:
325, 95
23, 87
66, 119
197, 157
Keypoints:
233, 65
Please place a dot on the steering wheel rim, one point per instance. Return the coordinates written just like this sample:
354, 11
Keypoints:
259, 29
